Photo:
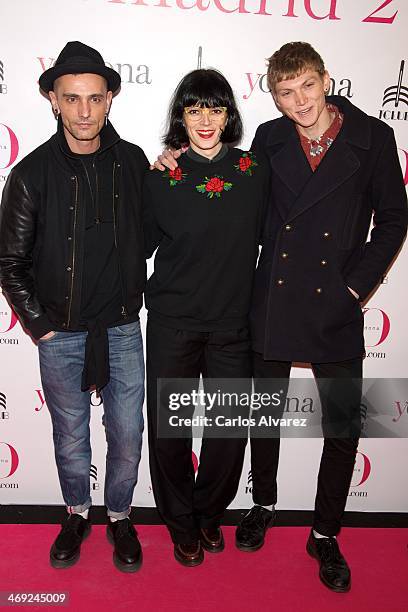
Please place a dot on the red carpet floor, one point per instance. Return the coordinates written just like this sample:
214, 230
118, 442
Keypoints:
280, 577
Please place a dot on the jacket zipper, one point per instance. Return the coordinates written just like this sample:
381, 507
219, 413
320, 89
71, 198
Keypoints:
97, 211
95, 199
123, 310
73, 252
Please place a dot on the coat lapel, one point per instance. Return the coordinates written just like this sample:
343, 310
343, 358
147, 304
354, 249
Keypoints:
337, 166
288, 161
290, 164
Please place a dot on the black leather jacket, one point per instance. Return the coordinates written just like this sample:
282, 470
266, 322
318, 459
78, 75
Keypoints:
42, 220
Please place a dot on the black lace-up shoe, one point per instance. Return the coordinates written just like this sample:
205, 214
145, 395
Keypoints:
334, 571
250, 534
127, 555
67, 547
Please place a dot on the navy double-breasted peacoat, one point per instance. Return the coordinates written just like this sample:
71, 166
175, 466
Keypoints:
317, 240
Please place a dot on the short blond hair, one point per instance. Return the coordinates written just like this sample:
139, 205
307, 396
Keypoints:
292, 60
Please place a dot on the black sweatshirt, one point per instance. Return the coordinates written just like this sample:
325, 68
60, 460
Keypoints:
101, 293
205, 219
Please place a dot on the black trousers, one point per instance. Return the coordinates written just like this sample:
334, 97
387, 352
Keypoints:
187, 503
340, 402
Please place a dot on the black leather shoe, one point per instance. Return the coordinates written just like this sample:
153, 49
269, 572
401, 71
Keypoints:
127, 555
67, 547
212, 539
189, 555
250, 533
334, 571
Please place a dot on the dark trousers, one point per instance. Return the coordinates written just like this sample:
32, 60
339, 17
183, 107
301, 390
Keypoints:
339, 453
185, 503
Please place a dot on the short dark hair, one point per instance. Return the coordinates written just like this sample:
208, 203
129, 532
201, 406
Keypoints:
291, 60
204, 87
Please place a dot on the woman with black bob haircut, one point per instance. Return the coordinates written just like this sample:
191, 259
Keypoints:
204, 220
205, 88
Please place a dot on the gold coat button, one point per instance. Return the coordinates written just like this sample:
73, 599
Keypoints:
280, 281
326, 235
319, 290
284, 255
288, 227
323, 262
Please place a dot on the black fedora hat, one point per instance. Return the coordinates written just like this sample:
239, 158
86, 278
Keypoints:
77, 58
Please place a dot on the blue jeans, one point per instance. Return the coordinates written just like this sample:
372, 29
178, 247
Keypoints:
61, 363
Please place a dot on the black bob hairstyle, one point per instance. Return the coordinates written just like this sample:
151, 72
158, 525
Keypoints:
204, 87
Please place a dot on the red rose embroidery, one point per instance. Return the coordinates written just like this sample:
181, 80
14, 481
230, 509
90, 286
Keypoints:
244, 163
176, 174
215, 184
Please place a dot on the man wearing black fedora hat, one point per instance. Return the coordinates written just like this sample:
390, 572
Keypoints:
72, 266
